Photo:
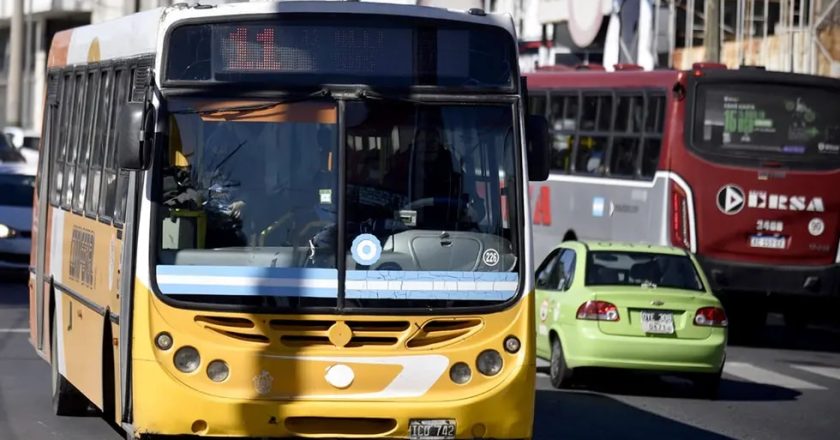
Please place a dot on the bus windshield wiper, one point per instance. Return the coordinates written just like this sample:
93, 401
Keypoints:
322, 93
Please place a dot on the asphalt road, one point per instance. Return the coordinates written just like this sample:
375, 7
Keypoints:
787, 388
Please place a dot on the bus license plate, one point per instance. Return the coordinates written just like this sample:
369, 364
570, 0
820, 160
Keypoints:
657, 322
760, 241
438, 429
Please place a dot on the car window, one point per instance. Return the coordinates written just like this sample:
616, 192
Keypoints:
642, 268
553, 271
546, 273
16, 190
567, 260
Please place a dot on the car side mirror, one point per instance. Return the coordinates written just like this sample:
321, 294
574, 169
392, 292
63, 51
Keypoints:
539, 160
132, 140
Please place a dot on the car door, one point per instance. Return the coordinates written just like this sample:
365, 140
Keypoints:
552, 280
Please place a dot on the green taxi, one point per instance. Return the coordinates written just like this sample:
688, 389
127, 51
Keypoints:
629, 306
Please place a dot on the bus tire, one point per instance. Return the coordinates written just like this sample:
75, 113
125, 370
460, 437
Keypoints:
66, 399
561, 374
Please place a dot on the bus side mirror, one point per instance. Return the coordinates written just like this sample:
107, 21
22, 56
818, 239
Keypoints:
131, 143
539, 160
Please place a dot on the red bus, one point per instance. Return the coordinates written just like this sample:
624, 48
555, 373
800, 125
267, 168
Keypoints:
738, 166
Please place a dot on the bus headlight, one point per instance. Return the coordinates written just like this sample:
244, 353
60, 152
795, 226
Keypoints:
218, 371
512, 344
489, 362
163, 341
187, 359
460, 373
5, 231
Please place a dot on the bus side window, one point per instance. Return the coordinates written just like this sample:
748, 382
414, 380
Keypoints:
650, 157
91, 94
563, 122
537, 103
60, 151
590, 155
625, 154
109, 180
73, 145
100, 133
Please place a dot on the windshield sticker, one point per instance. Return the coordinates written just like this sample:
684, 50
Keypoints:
490, 257
326, 196
366, 249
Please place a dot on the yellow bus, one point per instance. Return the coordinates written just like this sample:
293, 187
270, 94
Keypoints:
293, 219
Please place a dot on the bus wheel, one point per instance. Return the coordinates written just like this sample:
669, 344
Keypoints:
66, 399
561, 374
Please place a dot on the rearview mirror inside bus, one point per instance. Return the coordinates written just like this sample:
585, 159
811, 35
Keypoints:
130, 146
536, 132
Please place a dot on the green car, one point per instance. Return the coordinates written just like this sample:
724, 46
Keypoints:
628, 306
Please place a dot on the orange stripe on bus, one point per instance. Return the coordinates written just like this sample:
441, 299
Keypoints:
58, 49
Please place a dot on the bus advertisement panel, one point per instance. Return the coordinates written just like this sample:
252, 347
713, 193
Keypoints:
289, 220
734, 165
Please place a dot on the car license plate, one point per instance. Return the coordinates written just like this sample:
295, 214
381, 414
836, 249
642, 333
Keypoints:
657, 322
437, 429
763, 241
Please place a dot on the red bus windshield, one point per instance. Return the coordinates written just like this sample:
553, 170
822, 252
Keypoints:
796, 126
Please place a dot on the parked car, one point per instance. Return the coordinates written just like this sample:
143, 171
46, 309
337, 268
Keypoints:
17, 183
629, 306
27, 142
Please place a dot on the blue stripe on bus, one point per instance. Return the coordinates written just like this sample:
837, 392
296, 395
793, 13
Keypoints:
304, 273
478, 295
305, 292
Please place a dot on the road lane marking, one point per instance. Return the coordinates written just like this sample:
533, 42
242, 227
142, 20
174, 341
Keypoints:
832, 372
14, 330
767, 377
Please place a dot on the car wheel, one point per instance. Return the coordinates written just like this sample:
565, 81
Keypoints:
707, 385
561, 374
66, 399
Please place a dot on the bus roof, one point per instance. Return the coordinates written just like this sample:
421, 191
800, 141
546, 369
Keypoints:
143, 33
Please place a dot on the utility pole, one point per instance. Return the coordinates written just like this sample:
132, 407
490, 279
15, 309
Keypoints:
711, 27
15, 87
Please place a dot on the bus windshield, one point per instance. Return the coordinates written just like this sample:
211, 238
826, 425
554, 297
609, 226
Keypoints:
793, 125
251, 190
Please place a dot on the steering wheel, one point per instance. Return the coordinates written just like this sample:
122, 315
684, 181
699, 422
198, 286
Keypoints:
428, 202
281, 222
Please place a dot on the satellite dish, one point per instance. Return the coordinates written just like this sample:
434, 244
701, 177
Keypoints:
584, 20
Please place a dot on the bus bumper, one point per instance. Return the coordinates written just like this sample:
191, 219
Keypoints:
165, 406
783, 280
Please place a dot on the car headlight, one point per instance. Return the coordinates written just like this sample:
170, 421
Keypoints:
187, 359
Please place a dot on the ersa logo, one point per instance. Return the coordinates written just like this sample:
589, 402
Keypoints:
731, 200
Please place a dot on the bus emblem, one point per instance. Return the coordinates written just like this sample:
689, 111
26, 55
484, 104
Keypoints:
730, 199
262, 383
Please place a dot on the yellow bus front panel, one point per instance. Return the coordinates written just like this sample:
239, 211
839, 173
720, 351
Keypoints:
279, 368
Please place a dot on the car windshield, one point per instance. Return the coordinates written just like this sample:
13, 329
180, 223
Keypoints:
250, 192
16, 189
642, 269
